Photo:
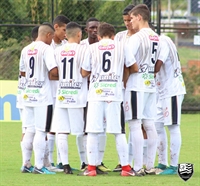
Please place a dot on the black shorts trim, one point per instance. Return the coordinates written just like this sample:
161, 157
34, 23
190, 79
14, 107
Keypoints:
174, 105
49, 118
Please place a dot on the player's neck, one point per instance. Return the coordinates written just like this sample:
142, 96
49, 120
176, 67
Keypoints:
143, 25
130, 32
57, 40
92, 40
72, 40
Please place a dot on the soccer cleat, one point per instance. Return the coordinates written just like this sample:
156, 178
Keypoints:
171, 170
67, 169
43, 170
128, 173
99, 171
83, 166
103, 168
153, 171
161, 166
118, 168
140, 172
59, 166
87, 172
53, 168
25, 169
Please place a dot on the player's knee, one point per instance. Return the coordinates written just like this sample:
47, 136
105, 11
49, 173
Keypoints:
174, 129
30, 129
159, 127
135, 125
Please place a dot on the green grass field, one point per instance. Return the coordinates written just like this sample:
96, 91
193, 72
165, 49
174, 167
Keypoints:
10, 161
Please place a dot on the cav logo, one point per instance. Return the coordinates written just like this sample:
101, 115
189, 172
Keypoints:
8, 110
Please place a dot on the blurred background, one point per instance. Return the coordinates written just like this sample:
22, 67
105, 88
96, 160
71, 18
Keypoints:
178, 19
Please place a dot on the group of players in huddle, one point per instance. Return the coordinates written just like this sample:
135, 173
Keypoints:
92, 87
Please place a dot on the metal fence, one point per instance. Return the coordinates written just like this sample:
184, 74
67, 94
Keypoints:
179, 19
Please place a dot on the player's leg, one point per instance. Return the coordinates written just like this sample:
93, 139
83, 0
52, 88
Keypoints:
27, 141
173, 122
144, 147
116, 125
42, 117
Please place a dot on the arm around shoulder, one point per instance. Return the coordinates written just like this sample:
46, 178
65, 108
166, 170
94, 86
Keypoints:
85, 73
53, 74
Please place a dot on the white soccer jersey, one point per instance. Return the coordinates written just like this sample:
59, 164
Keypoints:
72, 89
105, 60
169, 79
85, 42
142, 47
54, 83
20, 91
37, 61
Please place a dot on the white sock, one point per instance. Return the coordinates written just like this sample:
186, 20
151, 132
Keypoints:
102, 146
46, 155
145, 152
162, 146
63, 148
152, 138
130, 151
81, 141
27, 148
175, 144
92, 148
39, 144
57, 151
137, 141
122, 148
51, 143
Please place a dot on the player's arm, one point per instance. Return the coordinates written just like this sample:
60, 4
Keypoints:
133, 68
53, 74
158, 66
85, 73
125, 75
22, 73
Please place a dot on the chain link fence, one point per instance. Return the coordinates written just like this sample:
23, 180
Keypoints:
178, 19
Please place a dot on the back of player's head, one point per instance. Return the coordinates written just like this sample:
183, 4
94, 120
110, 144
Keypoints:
106, 29
128, 9
61, 20
91, 19
45, 28
34, 33
142, 10
72, 29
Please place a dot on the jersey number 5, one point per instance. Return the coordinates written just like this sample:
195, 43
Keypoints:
154, 52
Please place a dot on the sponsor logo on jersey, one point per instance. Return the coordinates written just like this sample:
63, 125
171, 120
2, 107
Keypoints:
108, 78
153, 38
68, 52
34, 83
106, 46
72, 84
32, 51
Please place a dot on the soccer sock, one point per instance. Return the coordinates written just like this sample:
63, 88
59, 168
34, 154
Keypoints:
175, 144
137, 141
145, 152
130, 151
102, 146
51, 142
39, 144
63, 148
162, 147
122, 148
57, 151
152, 138
81, 141
92, 148
46, 155
27, 144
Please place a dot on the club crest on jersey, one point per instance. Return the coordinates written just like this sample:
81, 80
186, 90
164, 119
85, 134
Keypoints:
32, 51
68, 52
185, 171
106, 46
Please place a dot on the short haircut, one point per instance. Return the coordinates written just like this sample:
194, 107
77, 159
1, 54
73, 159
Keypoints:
72, 28
106, 29
34, 33
143, 10
45, 28
61, 20
91, 19
48, 24
128, 9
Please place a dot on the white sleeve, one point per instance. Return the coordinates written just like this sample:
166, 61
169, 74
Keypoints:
130, 50
49, 58
86, 65
21, 62
163, 51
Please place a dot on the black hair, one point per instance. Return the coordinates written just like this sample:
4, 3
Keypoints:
72, 25
128, 9
60, 20
34, 33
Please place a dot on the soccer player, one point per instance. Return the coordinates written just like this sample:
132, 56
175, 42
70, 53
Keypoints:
71, 93
26, 144
123, 37
171, 89
38, 66
104, 62
81, 140
140, 94
59, 39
